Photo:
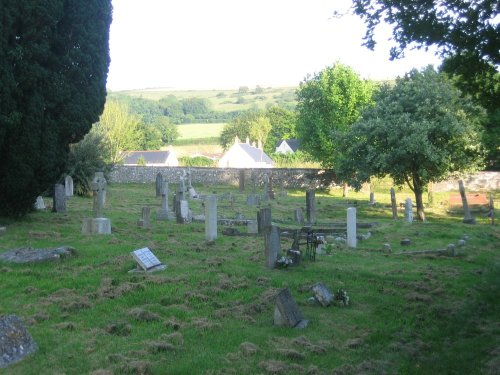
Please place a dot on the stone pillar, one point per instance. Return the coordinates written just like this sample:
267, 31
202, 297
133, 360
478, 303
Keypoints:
408, 210
159, 183
393, 205
468, 219
59, 198
264, 220
311, 206
68, 186
211, 218
351, 227
273, 246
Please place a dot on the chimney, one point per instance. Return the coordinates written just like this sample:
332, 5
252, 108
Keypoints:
248, 141
259, 144
236, 140
253, 144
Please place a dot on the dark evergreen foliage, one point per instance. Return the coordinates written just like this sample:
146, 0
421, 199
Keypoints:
54, 61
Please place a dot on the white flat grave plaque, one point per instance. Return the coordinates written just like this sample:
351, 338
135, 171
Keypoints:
146, 259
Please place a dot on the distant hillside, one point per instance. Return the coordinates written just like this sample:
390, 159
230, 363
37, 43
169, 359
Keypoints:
224, 100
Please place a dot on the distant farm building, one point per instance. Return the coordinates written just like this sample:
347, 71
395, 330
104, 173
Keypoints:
151, 158
245, 155
286, 146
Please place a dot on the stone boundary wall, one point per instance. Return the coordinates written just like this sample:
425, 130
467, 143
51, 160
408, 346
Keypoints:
289, 177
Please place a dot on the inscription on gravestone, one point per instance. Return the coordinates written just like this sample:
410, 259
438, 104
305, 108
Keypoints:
146, 259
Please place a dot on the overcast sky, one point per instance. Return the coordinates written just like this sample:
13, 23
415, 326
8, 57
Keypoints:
225, 44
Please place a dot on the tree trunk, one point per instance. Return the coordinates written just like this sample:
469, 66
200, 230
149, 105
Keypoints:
420, 204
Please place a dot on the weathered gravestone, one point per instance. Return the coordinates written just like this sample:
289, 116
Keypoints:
252, 227
272, 245
372, 198
264, 220
59, 199
39, 203
311, 206
147, 261
283, 192
322, 294
15, 341
298, 216
97, 224
145, 220
159, 184
265, 190
68, 186
253, 200
393, 204
211, 218
351, 227
408, 210
163, 212
286, 312
183, 214
468, 219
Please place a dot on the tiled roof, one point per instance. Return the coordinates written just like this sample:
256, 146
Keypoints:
150, 157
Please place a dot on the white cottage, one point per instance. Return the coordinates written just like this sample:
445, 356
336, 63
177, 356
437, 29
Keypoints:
244, 155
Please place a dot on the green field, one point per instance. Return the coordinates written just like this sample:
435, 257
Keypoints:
225, 100
199, 131
211, 310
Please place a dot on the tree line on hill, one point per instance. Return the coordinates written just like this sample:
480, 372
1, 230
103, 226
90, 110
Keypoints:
54, 61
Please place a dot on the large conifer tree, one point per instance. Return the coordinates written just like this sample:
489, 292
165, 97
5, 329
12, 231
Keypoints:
54, 60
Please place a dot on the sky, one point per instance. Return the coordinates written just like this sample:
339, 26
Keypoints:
226, 44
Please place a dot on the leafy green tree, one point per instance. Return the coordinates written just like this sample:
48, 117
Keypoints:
240, 127
168, 131
54, 60
283, 126
120, 130
454, 26
195, 106
150, 137
86, 157
331, 100
419, 131
259, 128
243, 90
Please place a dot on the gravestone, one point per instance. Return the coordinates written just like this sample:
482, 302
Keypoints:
253, 178
311, 207
68, 186
351, 227
272, 246
322, 294
253, 200
145, 221
59, 198
408, 210
252, 227
183, 215
372, 198
265, 195
393, 205
97, 224
286, 312
298, 216
270, 189
163, 213
283, 192
39, 204
15, 341
241, 180
181, 190
146, 260
295, 256
192, 192
468, 219
264, 220
211, 218
159, 184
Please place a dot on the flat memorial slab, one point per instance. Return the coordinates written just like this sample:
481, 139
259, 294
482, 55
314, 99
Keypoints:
147, 260
15, 341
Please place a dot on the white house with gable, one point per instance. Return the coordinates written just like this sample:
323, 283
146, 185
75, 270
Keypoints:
245, 155
286, 146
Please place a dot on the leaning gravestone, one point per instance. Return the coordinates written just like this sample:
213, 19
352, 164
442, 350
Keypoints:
211, 218
59, 199
311, 207
15, 341
147, 261
468, 219
322, 294
68, 186
272, 246
286, 312
159, 184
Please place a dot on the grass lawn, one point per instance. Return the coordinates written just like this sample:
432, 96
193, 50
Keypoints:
211, 310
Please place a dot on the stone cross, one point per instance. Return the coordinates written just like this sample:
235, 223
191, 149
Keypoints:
190, 186
408, 210
68, 186
468, 219
98, 187
351, 227
311, 206
211, 218
100, 175
59, 199
393, 205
